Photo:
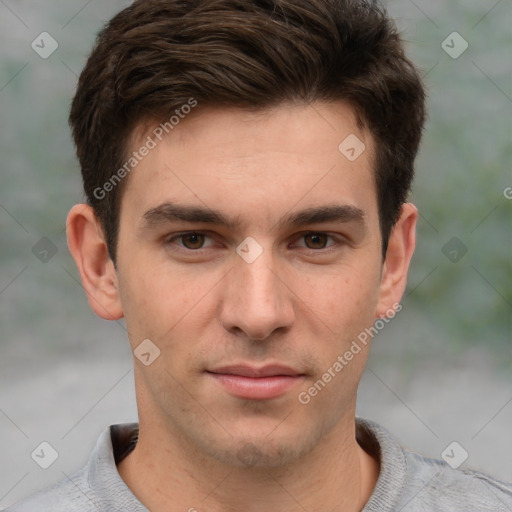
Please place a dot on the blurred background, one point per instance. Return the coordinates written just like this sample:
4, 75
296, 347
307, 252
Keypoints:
440, 372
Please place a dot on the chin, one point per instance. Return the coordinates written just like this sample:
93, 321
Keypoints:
263, 452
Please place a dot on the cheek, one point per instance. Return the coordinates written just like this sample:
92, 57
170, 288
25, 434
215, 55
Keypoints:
159, 303
345, 306
345, 300
145, 299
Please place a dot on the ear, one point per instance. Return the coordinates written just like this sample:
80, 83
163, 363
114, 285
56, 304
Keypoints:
86, 242
398, 256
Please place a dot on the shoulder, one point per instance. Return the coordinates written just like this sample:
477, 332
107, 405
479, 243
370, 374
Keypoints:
432, 484
70, 495
97, 486
410, 482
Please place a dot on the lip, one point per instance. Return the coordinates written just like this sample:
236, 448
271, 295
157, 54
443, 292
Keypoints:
252, 383
271, 370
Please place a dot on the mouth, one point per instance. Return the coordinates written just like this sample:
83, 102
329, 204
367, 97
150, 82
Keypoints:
251, 383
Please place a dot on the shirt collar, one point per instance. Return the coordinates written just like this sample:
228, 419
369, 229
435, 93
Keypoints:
117, 441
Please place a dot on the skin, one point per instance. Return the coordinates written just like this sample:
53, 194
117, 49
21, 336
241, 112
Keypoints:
299, 304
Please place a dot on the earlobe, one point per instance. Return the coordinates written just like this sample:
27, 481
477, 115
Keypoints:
401, 246
87, 245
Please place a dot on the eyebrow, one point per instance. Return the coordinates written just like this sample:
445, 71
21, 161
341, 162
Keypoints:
172, 212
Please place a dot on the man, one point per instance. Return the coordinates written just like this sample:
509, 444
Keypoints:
247, 165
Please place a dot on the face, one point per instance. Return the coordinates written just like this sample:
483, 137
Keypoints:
249, 253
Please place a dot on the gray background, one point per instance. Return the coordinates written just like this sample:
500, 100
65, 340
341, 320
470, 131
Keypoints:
440, 372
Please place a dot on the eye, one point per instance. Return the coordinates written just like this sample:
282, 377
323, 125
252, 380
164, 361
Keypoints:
191, 240
317, 240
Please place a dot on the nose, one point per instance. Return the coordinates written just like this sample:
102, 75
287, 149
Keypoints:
256, 300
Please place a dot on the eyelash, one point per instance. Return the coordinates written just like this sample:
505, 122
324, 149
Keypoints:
170, 241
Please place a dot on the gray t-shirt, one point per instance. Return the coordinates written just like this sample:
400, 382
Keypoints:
407, 482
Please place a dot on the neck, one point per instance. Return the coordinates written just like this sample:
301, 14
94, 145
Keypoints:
168, 475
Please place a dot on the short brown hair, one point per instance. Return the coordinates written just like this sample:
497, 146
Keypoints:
155, 55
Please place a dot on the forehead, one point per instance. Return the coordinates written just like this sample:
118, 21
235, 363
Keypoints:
267, 160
